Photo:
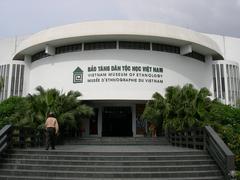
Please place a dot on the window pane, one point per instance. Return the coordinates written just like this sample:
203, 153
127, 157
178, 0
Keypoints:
134, 45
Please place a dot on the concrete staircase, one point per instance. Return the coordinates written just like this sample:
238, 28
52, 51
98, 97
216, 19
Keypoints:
72, 162
117, 141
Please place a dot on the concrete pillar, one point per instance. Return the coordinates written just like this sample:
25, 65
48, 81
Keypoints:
208, 59
186, 49
27, 60
134, 120
100, 121
50, 50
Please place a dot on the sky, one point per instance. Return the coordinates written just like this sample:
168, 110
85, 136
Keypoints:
23, 17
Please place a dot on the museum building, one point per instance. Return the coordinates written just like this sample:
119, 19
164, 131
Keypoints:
118, 65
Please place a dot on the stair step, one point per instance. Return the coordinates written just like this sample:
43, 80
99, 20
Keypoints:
108, 153
109, 162
67, 178
17, 172
111, 168
112, 158
118, 141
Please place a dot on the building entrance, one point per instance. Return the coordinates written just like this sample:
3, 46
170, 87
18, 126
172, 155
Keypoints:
117, 121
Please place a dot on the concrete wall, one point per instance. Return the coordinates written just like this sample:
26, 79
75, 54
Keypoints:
57, 72
230, 46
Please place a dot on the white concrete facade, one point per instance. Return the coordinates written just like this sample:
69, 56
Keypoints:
120, 61
45, 72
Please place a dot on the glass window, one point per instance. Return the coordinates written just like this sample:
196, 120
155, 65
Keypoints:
231, 83
13, 79
6, 81
21, 80
17, 80
134, 45
69, 48
214, 81
196, 55
222, 81
165, 48
235, 82
218, 82
228, 82
39, 55
100, 45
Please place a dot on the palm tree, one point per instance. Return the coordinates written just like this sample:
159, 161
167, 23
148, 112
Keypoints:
188, 106
155, 112
173, 103
203, 104
67, 108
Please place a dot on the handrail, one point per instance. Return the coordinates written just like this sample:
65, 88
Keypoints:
192, 138
219, 151
207, 139
5, 137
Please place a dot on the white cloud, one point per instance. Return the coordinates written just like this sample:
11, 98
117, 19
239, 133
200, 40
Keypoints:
29, 16
238, 2
211, 16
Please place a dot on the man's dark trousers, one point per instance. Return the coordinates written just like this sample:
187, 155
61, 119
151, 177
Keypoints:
50, 137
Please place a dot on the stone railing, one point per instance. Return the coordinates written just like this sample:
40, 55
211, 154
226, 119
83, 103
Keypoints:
206, 139
5, 137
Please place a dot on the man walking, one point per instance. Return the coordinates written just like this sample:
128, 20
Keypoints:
51, 126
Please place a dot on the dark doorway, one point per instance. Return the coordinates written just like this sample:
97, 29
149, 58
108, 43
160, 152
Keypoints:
117, 121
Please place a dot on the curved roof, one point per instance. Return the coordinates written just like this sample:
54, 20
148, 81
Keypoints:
117, 30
